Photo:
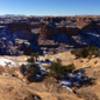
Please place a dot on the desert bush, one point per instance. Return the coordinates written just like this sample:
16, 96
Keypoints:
58, 70
30, 60
29, 71
26, 69
35, 54
86, 52
33, 57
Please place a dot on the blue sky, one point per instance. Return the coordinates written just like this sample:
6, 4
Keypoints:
50, 7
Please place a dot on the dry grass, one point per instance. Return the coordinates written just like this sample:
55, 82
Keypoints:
87, 94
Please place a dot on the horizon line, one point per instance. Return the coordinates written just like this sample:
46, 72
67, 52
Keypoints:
49, 15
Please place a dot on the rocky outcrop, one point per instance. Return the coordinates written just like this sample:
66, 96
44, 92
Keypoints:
30, 33
16, 39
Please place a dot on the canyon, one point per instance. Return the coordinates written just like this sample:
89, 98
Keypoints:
22, 34
70, 40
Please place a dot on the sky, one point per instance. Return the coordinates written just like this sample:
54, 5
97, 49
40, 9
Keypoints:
50, 7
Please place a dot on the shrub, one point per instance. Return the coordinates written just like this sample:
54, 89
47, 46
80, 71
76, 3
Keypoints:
35, 54
58, 70
33, 57
30, 60
30, 70
86, 52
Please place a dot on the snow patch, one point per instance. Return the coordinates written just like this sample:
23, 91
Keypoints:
7, 63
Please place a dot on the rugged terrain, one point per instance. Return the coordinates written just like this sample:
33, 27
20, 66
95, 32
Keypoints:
52, 38
15, 86
22, 35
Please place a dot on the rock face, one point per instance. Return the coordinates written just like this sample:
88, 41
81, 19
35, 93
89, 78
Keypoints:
15, 40
23, 35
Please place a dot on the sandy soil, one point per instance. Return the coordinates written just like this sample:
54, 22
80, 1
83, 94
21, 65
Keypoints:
15, 88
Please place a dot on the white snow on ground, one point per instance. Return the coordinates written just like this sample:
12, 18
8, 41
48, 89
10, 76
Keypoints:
7, 63
12, 61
